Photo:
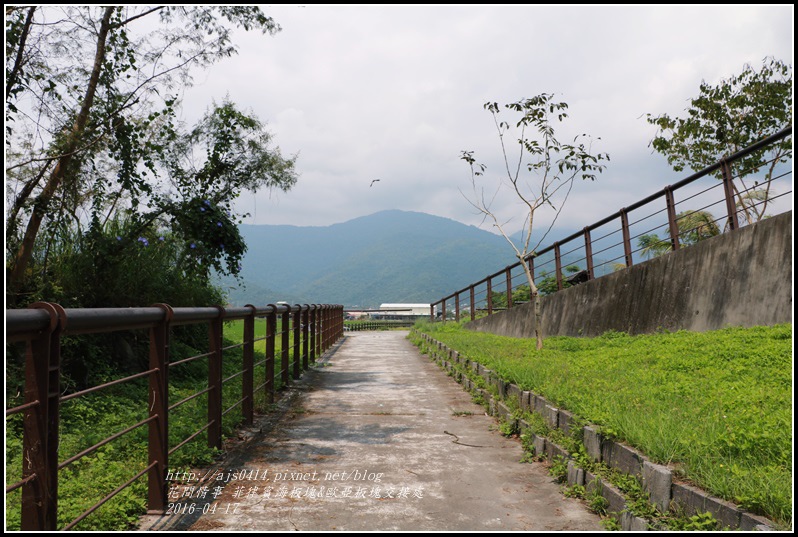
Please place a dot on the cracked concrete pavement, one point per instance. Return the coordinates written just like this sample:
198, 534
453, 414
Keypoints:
375, 437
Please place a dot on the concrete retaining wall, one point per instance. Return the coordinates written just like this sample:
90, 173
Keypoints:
740, 278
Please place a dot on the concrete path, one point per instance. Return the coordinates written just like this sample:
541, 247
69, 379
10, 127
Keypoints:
376, 437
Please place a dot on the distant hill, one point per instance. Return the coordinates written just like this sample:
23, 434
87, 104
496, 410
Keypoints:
387, 257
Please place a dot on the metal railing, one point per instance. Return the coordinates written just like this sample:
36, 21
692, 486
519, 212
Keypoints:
381, 324
614, 235
305, 331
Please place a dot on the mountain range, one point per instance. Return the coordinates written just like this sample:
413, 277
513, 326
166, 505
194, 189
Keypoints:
388, 257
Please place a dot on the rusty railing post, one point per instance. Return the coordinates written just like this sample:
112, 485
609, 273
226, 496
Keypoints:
509, 288
305, 321
627, 242
472, 303
325, 329
728, 190
457, 307
297, 321
271, 334
589, 254
490, 297
285, 347
432, 313
313, 316
319, 331
248, 378
558, 265
338, 312
215, 380
673, 227
322, 329
158, 429
40, 424
338, 317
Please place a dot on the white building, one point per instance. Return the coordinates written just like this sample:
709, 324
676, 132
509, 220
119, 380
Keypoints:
402, 311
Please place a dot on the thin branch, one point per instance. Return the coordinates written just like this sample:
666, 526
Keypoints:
134, 17
556, 216
20, 199
12, 78
57, 157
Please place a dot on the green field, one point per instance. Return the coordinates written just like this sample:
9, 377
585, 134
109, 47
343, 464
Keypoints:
716, 405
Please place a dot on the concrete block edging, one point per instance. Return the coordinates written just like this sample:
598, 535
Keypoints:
657, 480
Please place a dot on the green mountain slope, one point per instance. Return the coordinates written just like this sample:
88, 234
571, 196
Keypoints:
390, 256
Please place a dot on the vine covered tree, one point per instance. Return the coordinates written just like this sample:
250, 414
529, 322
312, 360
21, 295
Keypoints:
541, 175
728, 117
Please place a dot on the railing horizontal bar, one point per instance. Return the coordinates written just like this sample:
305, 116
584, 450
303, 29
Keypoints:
15, 486
20, 323
189, 398
234, 375
237, 313
192, 437
103, 442
183, 316
234, 405
99, 320
107, 385
20, 408
189, 359
111, 495
24, 323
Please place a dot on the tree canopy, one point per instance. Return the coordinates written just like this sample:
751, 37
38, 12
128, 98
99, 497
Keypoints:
728, 117
92, 136
693, 226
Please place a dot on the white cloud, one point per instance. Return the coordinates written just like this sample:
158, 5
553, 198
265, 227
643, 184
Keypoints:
396, 93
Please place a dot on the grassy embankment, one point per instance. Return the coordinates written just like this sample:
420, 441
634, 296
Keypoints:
718, 405
87, 420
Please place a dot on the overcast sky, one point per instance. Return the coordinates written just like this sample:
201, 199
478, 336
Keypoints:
396, 93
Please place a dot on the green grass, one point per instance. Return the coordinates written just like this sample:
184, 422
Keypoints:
718, 405
91, 418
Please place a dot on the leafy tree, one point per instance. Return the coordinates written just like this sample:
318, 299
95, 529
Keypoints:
87, 89
552, 167
694, 226
238, 157
546, 285
91, 131
651, 245
727, 118
520, 294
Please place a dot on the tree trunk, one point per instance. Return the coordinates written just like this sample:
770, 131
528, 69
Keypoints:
11, 81
40, 207
535, 296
